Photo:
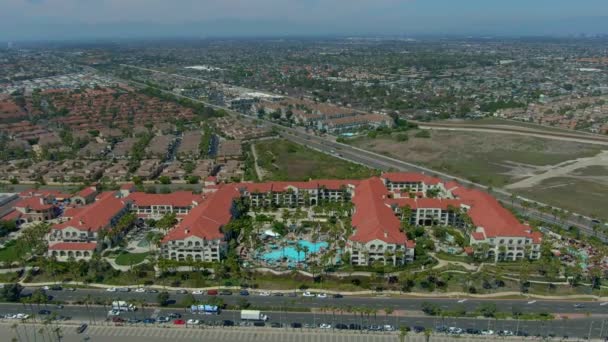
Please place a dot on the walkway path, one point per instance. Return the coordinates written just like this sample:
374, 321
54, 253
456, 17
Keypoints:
258, 169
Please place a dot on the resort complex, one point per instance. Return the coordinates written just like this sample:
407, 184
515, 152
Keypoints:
360, 222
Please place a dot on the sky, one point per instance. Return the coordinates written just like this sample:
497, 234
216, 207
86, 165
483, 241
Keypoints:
74, 19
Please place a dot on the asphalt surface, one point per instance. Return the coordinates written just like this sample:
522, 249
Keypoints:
97, 316
378, 302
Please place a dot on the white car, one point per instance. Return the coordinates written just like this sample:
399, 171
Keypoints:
193, 321
140, 290
308, 294
197, 292
114, 313
322, 295
46, 288
111, 289
487, 332
389, 327
22, 316
324, 326
265, 294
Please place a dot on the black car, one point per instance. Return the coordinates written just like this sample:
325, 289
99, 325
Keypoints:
244, 293
56, 288
341, 326
471, 331
278, 294
133, 321
175, 315
354, 326
151, 291
296, 325
259, 324
225, 293
417, 329
81, 328
292, 294
337, 295
44, 312
276, 325
227, 323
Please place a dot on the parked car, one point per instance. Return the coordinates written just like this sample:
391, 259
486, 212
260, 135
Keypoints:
341, 326
265, 294
124, 289
133, 320
71, 289
114, 312
278, 294
259, 324
193, 321
244, 293
324, 326
179, 322
117, 319
44, 312
418, 329
140, 290
225, 293
174, 315
182, 291
337, 295
151, 291
296, 325
212, 293
354, 326
308, 294
388, 327
149, 321
111, 289
163, 319
322, 295
487, 332
81, 328
227, 323
198, 292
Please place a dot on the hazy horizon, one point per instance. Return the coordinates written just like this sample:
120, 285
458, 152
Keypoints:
81, 19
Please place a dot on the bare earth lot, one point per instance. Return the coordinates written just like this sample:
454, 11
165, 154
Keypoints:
566, 174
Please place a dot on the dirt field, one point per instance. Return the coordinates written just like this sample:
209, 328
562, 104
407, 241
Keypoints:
493, 159
556, 172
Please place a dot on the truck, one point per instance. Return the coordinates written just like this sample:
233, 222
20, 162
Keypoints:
253, 315
121, 305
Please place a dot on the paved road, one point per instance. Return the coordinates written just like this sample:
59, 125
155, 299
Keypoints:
96, 316
379, 302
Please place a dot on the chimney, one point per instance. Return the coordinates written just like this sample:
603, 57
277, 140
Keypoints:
187, 231
385, 234
80, 222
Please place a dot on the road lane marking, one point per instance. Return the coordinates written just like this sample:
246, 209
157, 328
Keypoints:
532, 302
462, 301
603, 303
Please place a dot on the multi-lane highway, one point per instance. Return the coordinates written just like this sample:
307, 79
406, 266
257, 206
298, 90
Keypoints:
96, 315
377, 302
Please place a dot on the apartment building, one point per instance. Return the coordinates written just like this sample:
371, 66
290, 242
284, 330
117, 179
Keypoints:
155, 206
79, 235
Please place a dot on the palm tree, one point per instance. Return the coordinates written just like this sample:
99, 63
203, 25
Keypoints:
403, 331
427, 334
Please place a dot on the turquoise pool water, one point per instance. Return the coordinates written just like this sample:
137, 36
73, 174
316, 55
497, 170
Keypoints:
292, 254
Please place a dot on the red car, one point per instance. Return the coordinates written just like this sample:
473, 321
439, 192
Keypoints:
117, 319
212, 293
179, 322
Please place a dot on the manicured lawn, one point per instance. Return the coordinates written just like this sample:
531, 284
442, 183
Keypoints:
10, 253
284, 160
127, 259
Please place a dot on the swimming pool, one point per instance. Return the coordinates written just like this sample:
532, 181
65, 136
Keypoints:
292, 254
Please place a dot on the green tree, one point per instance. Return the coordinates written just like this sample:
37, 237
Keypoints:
163, 298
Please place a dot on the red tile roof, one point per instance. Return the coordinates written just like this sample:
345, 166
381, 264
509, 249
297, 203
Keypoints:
97, 215
33, 203
205, 220
73, 246
86, 192
425, 203
373, 219
58, 195
176, 199
488, 213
